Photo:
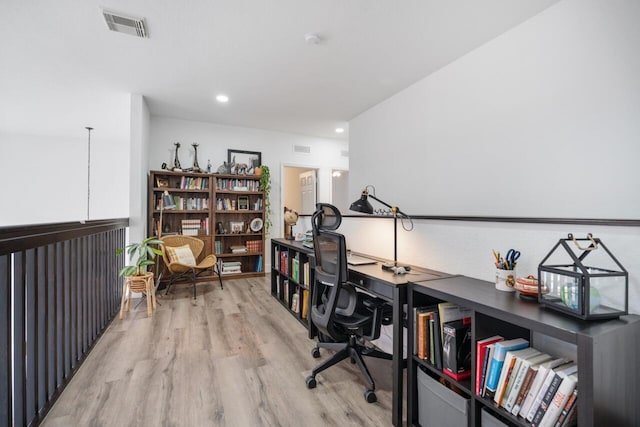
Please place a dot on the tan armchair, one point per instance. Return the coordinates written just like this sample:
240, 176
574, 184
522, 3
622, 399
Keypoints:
180, 255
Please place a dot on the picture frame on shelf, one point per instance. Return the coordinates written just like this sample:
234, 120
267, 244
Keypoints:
236, 227
252, 159
243, 203
162, 182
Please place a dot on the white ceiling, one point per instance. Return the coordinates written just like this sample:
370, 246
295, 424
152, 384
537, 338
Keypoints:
61, 69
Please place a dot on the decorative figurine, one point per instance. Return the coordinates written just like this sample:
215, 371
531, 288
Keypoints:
196, 166
176, 162
209, 167
227, 167
240, 168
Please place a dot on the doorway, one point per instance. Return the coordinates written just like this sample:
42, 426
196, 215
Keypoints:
299, 190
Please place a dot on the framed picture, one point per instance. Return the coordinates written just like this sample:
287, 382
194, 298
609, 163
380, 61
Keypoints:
248, 158
236, 227
162, 183
243, 203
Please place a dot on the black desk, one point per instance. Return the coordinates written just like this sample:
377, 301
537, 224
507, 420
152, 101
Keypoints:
383, 284
392, 288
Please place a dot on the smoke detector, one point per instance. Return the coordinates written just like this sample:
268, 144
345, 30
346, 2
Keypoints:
121, 23
311, 38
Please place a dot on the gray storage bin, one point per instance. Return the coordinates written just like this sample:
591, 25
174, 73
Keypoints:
488, 420
438, 406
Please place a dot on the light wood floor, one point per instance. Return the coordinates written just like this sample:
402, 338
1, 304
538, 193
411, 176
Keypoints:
234, 357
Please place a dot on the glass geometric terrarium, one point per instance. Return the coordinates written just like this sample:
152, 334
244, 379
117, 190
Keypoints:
582, 278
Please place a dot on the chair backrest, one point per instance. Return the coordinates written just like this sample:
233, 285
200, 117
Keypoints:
196, 245
331, 294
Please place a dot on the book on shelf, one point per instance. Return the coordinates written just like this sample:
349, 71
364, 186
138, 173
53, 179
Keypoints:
536, 383
295, 268
448, 311
284, 262
567, 416
254, 246
278, 287
238, 249
305, 273
218, 247
549, 389
276, 258
258, 264
190, 227
435, 351
481, 350
456, 349
488, 359
426, 337
560, 398
305, 303
422, 334
520, 383
286, 290
231, 267
507, 374
499, 353
294, 303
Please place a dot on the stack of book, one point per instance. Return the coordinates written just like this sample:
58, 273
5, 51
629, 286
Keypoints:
231, 267
190, 227
526, 382
307, 242
254, 245
429, 337
238, 249
218, 247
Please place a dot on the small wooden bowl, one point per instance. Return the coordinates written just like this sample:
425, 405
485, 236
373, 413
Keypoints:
527, 287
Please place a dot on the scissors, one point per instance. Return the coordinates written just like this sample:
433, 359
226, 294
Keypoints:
511, 258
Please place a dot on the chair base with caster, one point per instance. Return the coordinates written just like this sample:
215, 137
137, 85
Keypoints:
354, 351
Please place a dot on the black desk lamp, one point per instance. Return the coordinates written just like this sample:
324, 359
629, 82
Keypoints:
363, 205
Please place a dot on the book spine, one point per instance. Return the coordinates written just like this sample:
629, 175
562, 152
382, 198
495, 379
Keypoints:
566, 387
533, 391
566, 410
507, 368
526, 384
533, 412
516, 385
422, 335
494, 374
545, 403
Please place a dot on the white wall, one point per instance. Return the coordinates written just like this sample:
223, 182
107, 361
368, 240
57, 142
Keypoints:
43, 179
276, 149
555, 101
138, 168
544, 120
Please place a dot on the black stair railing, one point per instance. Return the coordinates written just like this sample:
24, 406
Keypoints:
59, 290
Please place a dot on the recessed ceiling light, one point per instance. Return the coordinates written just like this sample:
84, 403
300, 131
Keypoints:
339, 130
312, 38
222, 98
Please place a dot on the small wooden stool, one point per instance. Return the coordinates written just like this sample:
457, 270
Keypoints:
142, 284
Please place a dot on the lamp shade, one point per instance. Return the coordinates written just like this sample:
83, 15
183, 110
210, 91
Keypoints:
167, 201
362, 205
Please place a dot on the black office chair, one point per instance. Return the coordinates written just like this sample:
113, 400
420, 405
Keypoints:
343, 316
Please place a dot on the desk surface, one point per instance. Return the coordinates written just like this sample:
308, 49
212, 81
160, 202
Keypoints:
375, 272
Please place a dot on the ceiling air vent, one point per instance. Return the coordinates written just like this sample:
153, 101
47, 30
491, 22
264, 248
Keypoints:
301, 149
125, 24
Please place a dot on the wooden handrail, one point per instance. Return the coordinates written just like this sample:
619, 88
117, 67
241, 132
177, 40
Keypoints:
23, 237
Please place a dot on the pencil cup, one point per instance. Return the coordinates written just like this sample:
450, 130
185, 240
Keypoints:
505, 280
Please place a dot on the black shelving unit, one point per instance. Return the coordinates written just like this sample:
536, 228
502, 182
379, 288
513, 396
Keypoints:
606, 351
286, 286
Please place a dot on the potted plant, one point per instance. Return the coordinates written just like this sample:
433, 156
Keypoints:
136, 276
145, 253
265, 185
